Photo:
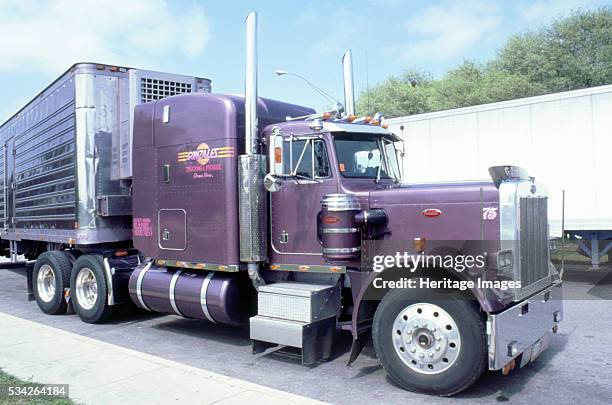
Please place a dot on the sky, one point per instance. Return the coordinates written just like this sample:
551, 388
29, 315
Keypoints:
39, 40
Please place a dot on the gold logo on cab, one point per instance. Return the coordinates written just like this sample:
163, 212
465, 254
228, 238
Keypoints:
203, 153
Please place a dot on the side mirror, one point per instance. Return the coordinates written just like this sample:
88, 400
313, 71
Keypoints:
272, 183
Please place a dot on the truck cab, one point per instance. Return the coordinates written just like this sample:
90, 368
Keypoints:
302, 227
502, 222
311, 159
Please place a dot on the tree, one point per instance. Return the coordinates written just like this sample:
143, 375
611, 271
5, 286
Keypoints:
573, 52
409, 93
461, 86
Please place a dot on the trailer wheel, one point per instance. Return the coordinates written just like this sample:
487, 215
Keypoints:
88, 289
51, 275
430, 341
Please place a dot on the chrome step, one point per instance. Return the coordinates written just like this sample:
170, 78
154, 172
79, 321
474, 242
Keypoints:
300, 315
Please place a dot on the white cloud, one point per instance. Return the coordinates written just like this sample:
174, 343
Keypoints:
49, 36
444, 31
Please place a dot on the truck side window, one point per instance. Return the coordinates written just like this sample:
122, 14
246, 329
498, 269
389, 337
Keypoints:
304, 169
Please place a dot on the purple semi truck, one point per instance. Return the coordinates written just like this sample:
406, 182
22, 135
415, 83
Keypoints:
243, 210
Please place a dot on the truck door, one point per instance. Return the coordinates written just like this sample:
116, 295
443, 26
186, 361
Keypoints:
296, 206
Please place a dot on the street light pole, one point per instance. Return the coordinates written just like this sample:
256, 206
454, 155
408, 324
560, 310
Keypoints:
337, 105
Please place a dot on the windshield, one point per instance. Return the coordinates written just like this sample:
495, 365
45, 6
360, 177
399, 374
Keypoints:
363, 156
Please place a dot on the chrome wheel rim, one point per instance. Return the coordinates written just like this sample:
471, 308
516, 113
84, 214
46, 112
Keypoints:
86, 288
45, 283
426, 338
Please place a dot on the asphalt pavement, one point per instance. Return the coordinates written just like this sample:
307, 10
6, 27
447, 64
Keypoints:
576, 368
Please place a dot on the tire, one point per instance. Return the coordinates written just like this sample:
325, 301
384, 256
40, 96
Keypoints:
458, 356
50, 276
88, 290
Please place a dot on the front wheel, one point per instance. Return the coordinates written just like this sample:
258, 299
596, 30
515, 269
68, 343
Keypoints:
430, 341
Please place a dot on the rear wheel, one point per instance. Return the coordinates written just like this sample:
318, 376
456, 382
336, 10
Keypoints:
430, 341
51, 275
88, 289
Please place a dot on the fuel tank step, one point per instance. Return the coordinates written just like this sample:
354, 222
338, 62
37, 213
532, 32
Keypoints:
298, 315
302, 302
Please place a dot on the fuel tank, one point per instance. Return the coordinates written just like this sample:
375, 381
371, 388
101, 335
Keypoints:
227, 298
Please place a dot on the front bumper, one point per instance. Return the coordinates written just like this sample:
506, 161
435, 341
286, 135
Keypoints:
524, 328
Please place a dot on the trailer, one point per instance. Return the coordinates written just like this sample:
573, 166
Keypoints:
66, 161
246, 210
563, 137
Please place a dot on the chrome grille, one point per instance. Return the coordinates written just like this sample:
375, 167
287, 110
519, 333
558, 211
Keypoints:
156, 89
533, 242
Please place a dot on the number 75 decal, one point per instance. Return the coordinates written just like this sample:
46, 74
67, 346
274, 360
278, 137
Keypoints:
489, 213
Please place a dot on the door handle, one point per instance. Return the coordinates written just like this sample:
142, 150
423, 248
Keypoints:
166, 173
284, 237
166, 234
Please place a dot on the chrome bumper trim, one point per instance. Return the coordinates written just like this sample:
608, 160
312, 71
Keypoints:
524, 327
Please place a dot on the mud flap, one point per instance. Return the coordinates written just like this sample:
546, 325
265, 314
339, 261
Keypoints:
360, 339
29, 271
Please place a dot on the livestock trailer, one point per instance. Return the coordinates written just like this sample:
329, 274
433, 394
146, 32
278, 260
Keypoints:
564, 137
66, 161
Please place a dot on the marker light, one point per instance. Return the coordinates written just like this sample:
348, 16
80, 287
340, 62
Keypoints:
278, 155
351, 118
374, 122
419, 244
367, 119
326, 115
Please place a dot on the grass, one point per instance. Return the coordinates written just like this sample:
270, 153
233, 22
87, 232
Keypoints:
10, 380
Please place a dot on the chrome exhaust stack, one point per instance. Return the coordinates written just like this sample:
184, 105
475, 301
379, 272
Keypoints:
252, 168
250, 85
347, 75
